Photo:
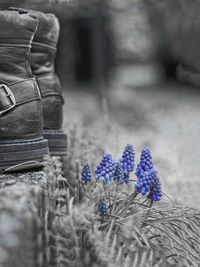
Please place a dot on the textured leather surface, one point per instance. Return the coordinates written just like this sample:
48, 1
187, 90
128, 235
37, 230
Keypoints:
42, 60
7, 100
52, 112
51, 100
43, 54
54, 87
48, 27
10, 96
17, 28
25, 120
28, 95
14, 65
22, 122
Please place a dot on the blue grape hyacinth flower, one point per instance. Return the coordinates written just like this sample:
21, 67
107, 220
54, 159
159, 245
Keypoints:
145, 172
146, 161
127, 161
155, 190
119, 173
128, 158
145, 181
86, 173
103, 208
106, 169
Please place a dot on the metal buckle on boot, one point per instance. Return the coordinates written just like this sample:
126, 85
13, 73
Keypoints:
6, 92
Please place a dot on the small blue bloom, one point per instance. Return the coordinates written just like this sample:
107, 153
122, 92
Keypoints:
146, 161
119, 173
128, 159
106, 169
86, 173
145, 172
145, 180
103, 208
155, 190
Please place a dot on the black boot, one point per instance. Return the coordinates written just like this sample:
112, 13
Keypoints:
43, 54
21, 121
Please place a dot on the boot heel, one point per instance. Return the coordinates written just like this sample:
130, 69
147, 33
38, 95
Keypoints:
15, 152
57, 140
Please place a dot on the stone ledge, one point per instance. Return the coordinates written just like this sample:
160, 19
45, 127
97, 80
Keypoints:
25, 209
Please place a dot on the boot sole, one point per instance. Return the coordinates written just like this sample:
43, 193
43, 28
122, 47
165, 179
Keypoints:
57, 140
16, 152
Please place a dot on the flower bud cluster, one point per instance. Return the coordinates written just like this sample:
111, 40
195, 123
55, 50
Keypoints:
148, 180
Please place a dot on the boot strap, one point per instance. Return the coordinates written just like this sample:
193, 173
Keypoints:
16, 94
49, 85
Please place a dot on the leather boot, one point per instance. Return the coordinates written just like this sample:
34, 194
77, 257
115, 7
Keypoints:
21, 124
43, 53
